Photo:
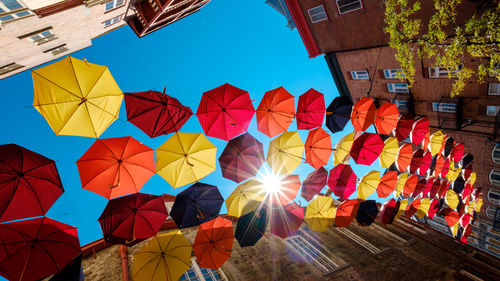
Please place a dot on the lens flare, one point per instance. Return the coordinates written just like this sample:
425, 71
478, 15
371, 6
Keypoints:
271, 183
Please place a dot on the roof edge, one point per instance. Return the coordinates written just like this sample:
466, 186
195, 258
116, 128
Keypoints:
304, 31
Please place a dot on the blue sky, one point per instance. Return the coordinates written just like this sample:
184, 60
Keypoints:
244, 43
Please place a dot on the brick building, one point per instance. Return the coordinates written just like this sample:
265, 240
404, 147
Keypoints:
349, 33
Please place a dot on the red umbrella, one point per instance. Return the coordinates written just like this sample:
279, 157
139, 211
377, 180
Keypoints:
426, 163
389, 211
214, 243
310, 110
314, 183
318, 148
458, 152
465, 220
466, 172
342, 181
386, 118
29, 183
444, 187
346, 212
429, 182
225, 112
363, 114
36, 248
412, 208
436, 186
433, 208
387, 184
446, 168
419, 130
467, 191
410, 185
438, 166
155, 113
366, 148
285, 221
404, 128
416, 160
419, 188
405, 154
132, 218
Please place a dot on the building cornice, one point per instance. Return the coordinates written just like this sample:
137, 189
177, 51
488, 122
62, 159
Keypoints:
303, 28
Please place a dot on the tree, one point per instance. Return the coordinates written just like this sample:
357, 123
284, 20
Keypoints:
444, 41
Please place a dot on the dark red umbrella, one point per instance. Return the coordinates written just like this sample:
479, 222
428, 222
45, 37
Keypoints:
433, 208
467, 171
366, 148
389, 211
342, 181
426, 163
446, 168
29, 183
286, 220
225, 112
310, 110
242, 158
36, 248
466, 160
156, 113
419, 130
444, 187
467, 191
436, 186
314, 183
458, 152
419, 188
404, 127
132, 218
428, 186
449, 143
416, 160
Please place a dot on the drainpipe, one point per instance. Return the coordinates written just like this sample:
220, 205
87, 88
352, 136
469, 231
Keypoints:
123, 251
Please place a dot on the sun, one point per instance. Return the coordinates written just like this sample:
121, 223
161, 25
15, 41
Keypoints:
271, 183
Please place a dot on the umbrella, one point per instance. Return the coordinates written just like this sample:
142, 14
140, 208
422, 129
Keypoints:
472, 178
366, 148
389, 211
115, 167
465, 220
387, 184
458, 152
71, 272
239, 202
132, 218
419, 130
433, 208
287, 192
449, 143
427, 139
458, 185
416, 160
251, 227
405, 155
479, 204
444, 187
436, 143
318, 148
426, 163
363, 114
453, 172
429, 182
310, 110
320, 213
346, 212
451, 199
386, 118
368, 184
275, 112
389, 152
404, 128
185, 158
155, 113
30, 183
285, 153
438, 167
214, 243
402, 208
467, 191
342, 180
286, 221
338, 113
445, 169
436, 185
36, 248
466, 172
401, 183
424, 207
242, 158
77, 98
197, 204
225, 112
410, 185
165, 257
367, 212
343, 148
466, 160
450, 216
419, 188
412, 208
314, 183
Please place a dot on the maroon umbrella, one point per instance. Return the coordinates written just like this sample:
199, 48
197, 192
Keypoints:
310, 110
314, 183
36, 248
156, 113
132, 218
419, 188
404, 127
436, 185
389, 211
416, 160
286, 220
242, 158
366, 148
342, 181
429, 182
29, 183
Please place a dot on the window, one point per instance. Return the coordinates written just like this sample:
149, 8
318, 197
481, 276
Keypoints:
41, 36
346, 6
494, 196
112, 21
495, 154
494, 89
317, 14
8, 6
392, 74
311, 254
442, 72
444, 107
195, 272
400, 104
397, 88
492, 110
360, 75
57, 50
9, 67
495, 177
113, 4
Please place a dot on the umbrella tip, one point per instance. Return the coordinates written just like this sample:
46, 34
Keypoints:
164, 89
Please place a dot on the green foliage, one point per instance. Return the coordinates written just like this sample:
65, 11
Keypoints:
479, 37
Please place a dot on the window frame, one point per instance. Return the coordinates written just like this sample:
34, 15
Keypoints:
442, 72
490, 92
350, 11
392, 73
492, 200
398, 88
310, 11
360, 74
491, 108
496, 148
14, 14
111, 21
443, 107
311, 254
195, 267
114, 6
4, 69
400, 104
497, 173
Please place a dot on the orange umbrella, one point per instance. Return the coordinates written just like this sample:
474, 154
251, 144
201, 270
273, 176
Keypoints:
318, 148
405, 155
412, 208
275, 112
386, 118
346, 212
290, 186
410, 185
438, 167
427, 139
450, 216
214, 243
363, 114
387, 184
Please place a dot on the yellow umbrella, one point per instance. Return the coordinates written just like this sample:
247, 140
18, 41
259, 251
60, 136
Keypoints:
77, 98
245, 198
451, 198
343, 148
472, 178
402, 208
479, 204
436, 142
389, 152
401, 183
165, 257
185, 158
320, 213
423, 208
285, 153
470, 208
368, 184
454, 229
453, 172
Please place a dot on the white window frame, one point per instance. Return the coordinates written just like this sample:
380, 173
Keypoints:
114, 4
492, 110
311, 254
400, 103
43, 38
392, 73
112, 21
444, 107
441, 72
7, 12
494, 89
317, 14
397, 88
496, 173
350, 3
360, 75
490, 197
497, 149
195, 268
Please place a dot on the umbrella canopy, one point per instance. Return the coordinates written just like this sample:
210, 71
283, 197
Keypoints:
401, 183
287, 192
436, 185
436, 142
450, 216
405, 155
366, 148
314, 183
416, 160
245, 198
132, 218
458, 185
445, 169
225, 112
389, 211
466, 160
155, 113
451, 198
367, 212
466, 172
427, 139
386, 118
343, 148
115, 167
410, 185
387, 184
346, 212
472, 178
197, 204
251, 227
275, 112
318, 148
342, 181
419, 188
412, 208
402, 208
444, 187
286, 221
458, 152
36, 248
389, 152
438, 167
242, 158
368, 184
465, 220
320, 213
404, 128
363, 114
214, 243
185, 158
449, 143
310, 110
429, 182
165, 257
338, 113
77, 98
426, 163
433, 208
29, 183
479, 205
419, 130
424, 207
71, 272
453, 172
285, 153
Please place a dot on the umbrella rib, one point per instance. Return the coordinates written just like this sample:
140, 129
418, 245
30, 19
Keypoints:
95, 82
69, 92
